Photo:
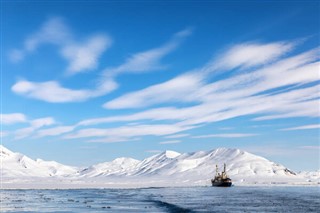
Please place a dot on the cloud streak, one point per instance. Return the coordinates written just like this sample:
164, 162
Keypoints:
248, 55
84, 56
34, 125
229, 135
52, 91
311, 126
275, 84
149, 60
81, 56
12, 118
228, 98
128, 131
170, 142
169, 91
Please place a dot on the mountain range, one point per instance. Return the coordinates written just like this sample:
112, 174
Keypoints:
168, 168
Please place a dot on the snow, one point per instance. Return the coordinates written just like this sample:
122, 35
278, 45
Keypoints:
168, 168
171, 154
19, 165
119, 166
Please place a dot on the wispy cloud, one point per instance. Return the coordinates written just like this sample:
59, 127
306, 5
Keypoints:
127, 132
12, 118
169, 91
229, 135
52, 91
149, 60
85, 56
113, 139
273, 86
252, 54
55, 131
170, 142
53, 31
311, 126
34, 125
230, 97
177, 136
81, 56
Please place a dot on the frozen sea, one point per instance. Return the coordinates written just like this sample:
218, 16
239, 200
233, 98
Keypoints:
188, 199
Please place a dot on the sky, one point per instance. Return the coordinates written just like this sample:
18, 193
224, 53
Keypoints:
86, 82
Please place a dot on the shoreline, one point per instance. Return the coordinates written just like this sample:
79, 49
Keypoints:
66, 186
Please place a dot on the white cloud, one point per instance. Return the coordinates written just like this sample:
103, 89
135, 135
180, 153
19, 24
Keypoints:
165, 113
170, 142
283, 87
172, 90
148, 60
177, 136
127, 132
34, 125
85, 56
191, 87
55, 131
113, 139
256, 92
311, 126
251, 54
81, 56
229, 135
40, 122
53, 31
23, 132
52, 91
13, 118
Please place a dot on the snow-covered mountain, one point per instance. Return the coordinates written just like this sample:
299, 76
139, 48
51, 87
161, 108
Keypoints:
16, 165
119, 166
163, 169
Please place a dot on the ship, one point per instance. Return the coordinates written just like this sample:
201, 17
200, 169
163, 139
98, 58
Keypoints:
222, 179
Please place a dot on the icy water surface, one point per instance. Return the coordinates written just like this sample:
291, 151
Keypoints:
193, 199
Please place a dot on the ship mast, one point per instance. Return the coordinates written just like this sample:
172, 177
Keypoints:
224, 171
216, 170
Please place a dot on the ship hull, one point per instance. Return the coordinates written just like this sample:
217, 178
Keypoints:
221, 184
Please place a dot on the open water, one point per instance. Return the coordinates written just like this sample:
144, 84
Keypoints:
189, 199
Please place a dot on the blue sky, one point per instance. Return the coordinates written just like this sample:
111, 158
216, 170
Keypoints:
85, 82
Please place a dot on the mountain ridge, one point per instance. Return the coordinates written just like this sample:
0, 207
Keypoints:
168, 167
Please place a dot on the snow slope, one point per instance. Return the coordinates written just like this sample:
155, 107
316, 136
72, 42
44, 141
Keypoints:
168, 168
16, 165
119, 166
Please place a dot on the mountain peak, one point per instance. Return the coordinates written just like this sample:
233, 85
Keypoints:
123, 160
171, 154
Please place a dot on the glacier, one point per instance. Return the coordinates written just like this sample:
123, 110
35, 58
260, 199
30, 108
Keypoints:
166, 169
